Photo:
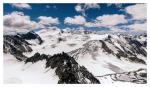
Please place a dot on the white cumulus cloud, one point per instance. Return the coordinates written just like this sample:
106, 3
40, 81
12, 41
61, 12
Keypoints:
111, 20
137, 11
81, 8
77, 20
107, 20
91, 6
18, 22
21, 5
44, 20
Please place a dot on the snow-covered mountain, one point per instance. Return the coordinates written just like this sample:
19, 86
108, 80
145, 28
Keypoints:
74, 56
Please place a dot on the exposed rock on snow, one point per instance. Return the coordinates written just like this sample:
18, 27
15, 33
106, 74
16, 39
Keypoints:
138, 76
37, 57
15, 45
31, 36
67, 69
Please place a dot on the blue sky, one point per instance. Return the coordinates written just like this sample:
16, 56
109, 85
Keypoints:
93, 16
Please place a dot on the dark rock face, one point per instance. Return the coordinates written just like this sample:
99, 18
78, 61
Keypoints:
15, 45
136, 46
143, 42
17, 42
69, 71
31, 35
138, 76
106, 49
60, 39
37, 57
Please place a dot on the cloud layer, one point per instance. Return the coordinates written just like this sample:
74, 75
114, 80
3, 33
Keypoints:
19, 22
100, 21
138, 12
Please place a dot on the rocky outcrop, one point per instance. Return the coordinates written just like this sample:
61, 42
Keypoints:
30, 36
136, 46
67, 69
37, 57
138, 77
15, 45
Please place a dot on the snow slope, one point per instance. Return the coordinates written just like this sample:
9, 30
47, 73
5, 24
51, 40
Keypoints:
18, 72
87, 49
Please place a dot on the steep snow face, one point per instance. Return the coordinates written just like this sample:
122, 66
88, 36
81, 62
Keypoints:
106, 64
112, 54
19, 72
